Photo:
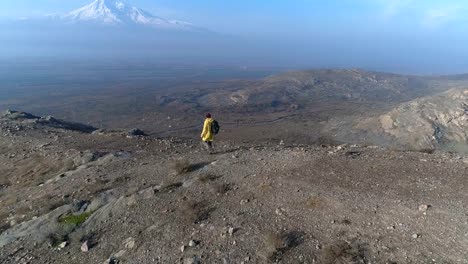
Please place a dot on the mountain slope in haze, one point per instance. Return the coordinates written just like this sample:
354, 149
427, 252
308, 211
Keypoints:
106, 29
297, 89
119, 12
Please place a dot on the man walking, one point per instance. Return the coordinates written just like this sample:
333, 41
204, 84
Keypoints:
207, 134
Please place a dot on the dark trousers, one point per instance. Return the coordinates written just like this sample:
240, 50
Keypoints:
208, 145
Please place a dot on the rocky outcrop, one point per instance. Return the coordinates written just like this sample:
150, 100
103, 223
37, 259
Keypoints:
15, 115
437, 122
49, 121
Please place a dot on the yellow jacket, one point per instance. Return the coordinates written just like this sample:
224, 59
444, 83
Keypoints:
207, 134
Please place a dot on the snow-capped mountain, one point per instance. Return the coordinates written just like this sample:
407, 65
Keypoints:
120, 12
106, 28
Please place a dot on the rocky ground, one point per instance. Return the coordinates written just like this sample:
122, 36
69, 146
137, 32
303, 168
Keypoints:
434, 122
69, 195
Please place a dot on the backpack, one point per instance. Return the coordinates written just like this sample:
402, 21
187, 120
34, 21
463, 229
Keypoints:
215, 127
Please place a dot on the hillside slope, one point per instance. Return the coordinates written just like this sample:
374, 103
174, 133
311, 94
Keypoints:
434, 122
290, 90
103, 197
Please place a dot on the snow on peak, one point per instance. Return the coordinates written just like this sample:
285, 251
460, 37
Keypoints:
120, 5
119, 12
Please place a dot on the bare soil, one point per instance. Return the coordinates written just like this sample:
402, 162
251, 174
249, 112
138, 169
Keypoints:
148, 198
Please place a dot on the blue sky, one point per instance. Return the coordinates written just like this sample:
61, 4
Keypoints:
395, 35
284, 16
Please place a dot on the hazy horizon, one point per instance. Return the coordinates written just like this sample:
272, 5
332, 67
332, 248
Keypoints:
403, 36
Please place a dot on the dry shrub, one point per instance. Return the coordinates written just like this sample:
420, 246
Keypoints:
346, 222
204, 178
343, 252
265, 187
273, 243
220, 188
195, 212
182, 166
314, 202
277, 243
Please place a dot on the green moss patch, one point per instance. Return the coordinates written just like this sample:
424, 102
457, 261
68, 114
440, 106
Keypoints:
75, 220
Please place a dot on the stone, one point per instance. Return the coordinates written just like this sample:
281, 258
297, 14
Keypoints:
62, 245
231, 230
424, 207
130, 243
415, 236
111, 261
85, 247
182, 248
136, 132
279, 211
192, 243
192, 260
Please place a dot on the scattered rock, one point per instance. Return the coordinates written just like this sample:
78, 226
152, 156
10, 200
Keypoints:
192, 243
182, 248
424, 207
415, 236
231, 230
279, 211
244, 201
62, 245
129, 243
85, 247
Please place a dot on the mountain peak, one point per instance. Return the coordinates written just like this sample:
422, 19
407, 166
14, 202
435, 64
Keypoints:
120, 12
